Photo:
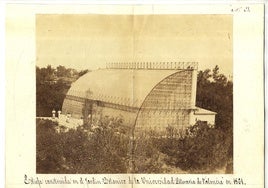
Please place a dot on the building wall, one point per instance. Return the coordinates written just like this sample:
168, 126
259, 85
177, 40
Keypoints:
128, 116
209, 118
159, 120
74, 106
206, 116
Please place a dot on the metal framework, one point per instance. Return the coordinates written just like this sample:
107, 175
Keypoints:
153, 65
169, 101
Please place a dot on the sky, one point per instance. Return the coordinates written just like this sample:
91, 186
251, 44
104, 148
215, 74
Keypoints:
91, 41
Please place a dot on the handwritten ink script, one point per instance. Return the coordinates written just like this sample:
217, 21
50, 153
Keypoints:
240, 9
133, 180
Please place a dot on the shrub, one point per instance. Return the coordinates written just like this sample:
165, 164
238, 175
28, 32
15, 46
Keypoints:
201, 149
80, 151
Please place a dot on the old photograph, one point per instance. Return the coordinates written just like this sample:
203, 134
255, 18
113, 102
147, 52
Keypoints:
142, 94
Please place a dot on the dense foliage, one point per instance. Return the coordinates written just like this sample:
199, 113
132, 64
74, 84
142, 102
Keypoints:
215, 92
201, 150
98, 150
52, 85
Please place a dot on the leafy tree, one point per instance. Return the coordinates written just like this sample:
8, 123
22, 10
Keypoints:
101, 149
215, 92
61, 71
52, 86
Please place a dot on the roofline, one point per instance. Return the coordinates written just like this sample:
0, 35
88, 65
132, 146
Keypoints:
203, 113
153, 65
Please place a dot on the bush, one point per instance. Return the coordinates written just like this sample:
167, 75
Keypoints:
201, 149
147, 158
48, 148
80, 151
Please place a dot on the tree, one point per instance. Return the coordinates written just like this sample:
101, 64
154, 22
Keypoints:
52, 86
82, 72
216, 94
61, 71
100, 149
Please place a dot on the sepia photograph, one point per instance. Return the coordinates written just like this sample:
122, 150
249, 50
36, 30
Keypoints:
142, 94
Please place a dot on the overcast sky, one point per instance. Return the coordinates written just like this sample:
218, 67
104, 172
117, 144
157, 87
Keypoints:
89, 41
